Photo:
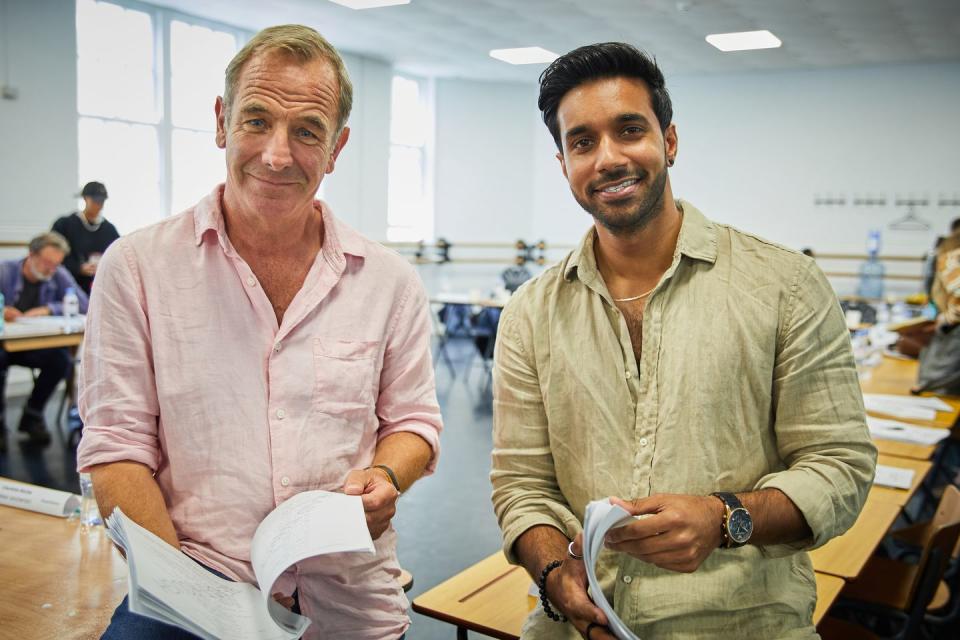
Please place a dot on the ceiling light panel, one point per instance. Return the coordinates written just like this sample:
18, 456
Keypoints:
744, 40
524, 55
369, 4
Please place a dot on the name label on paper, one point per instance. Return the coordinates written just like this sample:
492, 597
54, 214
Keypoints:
39, 499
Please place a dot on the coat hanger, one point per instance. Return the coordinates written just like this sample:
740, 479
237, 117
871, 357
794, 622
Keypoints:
910, 221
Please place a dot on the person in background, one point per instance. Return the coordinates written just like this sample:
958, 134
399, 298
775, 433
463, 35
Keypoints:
701, 376
35, 286
88, 233
255, 347
939, 368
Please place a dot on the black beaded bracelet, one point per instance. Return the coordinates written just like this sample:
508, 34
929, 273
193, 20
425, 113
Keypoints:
542, 584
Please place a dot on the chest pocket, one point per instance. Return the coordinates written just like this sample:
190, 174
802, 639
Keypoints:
345, 376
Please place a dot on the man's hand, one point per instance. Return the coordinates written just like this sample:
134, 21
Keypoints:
88, 269
567, 592
286, 602
678, 534
379, 497
37, 311
10, 314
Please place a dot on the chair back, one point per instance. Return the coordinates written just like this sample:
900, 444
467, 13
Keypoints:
933, 563
948, 511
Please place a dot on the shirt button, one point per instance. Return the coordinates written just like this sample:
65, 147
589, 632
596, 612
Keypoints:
276, 348
281, 414
251, 281
628, 579
643, 442
285, 481
629, 374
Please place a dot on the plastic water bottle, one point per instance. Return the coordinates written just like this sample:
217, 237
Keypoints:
89, 512
71, 308
872, 271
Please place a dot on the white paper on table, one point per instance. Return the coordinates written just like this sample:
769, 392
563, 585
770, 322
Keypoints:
903, 432
895, 477
601, 516
39, 499
309, 524
898, 408
927, 402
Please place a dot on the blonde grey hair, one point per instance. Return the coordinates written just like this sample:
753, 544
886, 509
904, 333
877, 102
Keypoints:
49, 239
304, 44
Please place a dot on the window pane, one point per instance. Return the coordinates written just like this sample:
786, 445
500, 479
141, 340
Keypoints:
198, 166
125, 158
405, 201
115, 62
198, 58
408, 114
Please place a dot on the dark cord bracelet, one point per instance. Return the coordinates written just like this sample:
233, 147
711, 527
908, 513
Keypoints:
542, 584
390, 474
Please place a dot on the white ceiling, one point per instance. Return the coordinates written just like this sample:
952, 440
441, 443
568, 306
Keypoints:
452, 38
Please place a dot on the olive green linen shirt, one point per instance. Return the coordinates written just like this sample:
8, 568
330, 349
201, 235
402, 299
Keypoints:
746, 381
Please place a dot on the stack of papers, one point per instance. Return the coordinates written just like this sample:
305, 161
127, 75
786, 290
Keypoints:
903, 432
40, 499
602, 516
912, 407
894, 477
165, 584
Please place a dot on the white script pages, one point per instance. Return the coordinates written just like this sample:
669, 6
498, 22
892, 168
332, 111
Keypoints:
167, 585
601, 516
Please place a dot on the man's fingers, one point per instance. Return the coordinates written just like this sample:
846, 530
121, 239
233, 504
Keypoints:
355, 482
378, 496
652, 544
643, 528
594, 631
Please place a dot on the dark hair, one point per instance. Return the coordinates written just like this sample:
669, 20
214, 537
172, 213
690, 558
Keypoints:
955, 225
595, 61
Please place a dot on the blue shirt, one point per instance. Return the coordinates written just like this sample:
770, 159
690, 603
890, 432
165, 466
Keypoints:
51, 291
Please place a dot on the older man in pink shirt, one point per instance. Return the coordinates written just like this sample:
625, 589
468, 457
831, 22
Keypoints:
254, 347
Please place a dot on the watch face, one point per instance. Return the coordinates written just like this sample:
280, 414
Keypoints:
740, 525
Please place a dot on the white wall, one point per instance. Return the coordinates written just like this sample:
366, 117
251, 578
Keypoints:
38, 130
357, 188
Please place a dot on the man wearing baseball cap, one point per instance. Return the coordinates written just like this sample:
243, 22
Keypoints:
88, 233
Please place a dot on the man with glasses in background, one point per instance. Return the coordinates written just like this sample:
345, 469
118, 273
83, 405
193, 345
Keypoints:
35, 286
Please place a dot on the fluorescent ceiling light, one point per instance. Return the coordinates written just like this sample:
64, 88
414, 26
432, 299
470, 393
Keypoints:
369, 4
744, 40
524, 55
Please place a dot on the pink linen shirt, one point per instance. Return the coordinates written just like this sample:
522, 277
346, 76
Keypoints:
186, 371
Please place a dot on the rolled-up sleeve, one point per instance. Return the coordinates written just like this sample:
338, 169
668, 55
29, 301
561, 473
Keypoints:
408, 395
118, 398
525, 489
820, 426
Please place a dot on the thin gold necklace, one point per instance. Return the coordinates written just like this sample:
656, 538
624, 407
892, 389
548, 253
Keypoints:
642, 295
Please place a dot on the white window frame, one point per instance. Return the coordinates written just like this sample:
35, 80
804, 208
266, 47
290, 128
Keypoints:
427, 98
161, 19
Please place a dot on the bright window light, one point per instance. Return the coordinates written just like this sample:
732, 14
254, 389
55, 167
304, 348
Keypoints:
524, 55
744, 40
369, 4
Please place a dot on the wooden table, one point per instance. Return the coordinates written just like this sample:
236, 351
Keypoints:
900, 497
828, 588
492, 598
49, 334
467, 299
846, 555
58, 582
919, 452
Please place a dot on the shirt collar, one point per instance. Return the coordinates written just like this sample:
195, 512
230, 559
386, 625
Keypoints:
697, 240
339, 239
92, 226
